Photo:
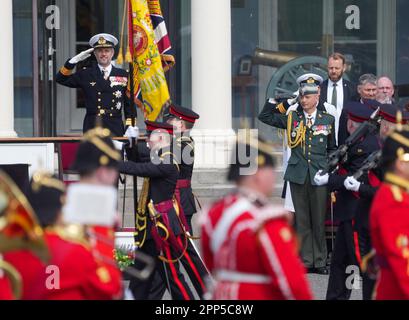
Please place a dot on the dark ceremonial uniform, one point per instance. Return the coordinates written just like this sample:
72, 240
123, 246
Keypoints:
160, 239
104, 99
184, 151
346, 206
308, 155
185, 198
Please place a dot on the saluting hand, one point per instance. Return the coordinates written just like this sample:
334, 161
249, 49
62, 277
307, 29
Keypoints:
81, 56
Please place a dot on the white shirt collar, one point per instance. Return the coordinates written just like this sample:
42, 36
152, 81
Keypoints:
313, 115
331, 83
109, 68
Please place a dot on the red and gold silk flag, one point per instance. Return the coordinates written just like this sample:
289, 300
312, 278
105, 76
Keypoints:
150, 86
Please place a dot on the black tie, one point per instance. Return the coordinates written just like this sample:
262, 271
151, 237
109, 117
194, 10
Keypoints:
334, 95
104, 74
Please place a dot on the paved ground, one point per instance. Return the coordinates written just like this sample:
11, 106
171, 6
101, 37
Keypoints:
318, 285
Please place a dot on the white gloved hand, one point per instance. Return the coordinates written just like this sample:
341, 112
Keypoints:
132, 133
352, 184
293, 100
321, 180
118, 145
81, 56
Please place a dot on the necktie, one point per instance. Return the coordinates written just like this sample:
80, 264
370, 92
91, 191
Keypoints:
334, 95
105, 74
309, 122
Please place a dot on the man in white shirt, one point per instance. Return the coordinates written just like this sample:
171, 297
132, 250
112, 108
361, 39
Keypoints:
337, 91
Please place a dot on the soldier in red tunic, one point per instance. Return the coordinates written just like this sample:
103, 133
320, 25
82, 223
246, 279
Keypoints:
247, 242
389, 220
19, 230
82, 266
6, 292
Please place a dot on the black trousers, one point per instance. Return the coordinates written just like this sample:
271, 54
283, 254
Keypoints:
365, 246
193, 265
342, 257
168, 273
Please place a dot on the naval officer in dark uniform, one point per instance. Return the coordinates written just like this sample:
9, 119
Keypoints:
311, 137
104, 86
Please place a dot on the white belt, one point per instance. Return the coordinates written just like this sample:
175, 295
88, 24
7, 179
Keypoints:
234, 276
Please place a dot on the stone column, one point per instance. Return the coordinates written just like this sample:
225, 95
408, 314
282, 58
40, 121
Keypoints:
211, 82
7, 74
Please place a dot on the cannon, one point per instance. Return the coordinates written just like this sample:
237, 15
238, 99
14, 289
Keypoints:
289, 66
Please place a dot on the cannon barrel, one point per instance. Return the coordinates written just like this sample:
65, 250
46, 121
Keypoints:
274, 59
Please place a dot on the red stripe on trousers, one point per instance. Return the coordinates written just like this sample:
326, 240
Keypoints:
357, 252
192, 265
175, 276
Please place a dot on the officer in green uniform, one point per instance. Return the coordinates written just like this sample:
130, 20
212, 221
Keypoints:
311, 136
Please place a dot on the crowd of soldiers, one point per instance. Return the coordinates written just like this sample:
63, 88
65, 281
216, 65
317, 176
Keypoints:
345, 152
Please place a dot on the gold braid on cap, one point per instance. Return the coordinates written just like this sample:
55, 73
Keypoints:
94, 136
42, 178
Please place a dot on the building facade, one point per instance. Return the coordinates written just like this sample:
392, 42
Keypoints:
215, 44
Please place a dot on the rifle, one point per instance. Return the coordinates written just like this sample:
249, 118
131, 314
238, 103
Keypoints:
339, 156
370, 163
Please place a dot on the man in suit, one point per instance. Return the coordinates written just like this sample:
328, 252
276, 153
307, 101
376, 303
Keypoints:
311, 136
104, 86
338, 91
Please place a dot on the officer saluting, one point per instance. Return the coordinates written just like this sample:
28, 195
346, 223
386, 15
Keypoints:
104, 85
311, 136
